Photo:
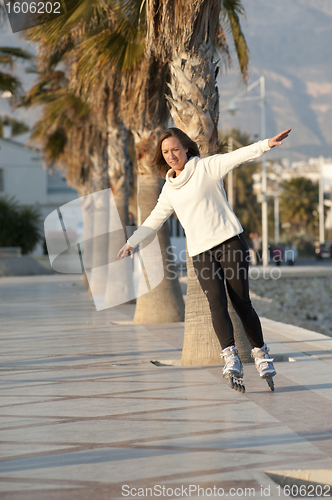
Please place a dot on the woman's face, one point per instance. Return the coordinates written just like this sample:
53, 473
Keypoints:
174, 154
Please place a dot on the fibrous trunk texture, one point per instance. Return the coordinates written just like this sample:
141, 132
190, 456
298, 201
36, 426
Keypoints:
119, 166
164, 303
194, 106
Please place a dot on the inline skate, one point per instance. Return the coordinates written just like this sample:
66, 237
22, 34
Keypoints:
233, 369
264, 364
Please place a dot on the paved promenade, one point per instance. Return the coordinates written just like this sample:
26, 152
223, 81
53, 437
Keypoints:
86, 415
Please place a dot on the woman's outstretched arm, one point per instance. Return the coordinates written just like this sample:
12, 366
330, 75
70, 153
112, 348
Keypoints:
125, 250
218, 166
277, 139
161, 212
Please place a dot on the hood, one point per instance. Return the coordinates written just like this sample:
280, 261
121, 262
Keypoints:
185, 175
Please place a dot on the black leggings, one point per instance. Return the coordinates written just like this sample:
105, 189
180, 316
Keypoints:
228, 261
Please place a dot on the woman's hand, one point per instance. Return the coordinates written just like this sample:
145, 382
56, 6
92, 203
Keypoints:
125, 250
277, 139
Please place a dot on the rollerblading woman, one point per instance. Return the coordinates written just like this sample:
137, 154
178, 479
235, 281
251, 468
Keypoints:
220, 255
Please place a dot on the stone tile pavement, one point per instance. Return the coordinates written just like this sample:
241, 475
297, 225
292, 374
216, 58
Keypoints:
85, 414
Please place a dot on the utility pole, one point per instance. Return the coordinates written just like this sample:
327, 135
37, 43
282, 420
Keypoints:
230, 176
232, 108
276, 213
321, 202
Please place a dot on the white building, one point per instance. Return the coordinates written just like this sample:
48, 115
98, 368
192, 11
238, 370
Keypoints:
22, 175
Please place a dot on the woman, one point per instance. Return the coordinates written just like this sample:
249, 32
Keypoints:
194, 190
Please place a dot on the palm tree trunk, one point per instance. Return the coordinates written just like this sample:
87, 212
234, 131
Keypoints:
201, 345
194, 107
164, 303
194, 100
145, 113
241, 341
120, 279
119, 168
99, 248
87, 218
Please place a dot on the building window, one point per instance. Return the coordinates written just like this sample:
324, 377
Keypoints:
1, 180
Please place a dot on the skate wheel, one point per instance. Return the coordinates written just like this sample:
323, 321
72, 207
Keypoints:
241, 386
237, 384
270, 383
231, 382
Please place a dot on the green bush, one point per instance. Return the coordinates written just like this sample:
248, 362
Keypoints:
305, 247
19, 225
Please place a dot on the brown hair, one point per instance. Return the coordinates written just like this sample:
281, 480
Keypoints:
185, 141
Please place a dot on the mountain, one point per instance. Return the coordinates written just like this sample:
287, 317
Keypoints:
290, 44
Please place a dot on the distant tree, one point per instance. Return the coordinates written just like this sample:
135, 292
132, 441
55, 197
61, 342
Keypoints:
240, 136
298, 205
246, 205
20, 226
247, 208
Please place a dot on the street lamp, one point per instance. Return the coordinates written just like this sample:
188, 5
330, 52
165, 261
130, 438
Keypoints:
232, 108
6, 128
230, 177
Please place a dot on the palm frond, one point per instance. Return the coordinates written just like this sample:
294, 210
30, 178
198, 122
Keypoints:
46, 89
7, 58
231, 12
54, 146
121, 49
10, 83
14, 52
70, 28
92, 14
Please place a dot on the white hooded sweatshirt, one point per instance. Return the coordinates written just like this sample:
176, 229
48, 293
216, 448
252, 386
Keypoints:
198, 197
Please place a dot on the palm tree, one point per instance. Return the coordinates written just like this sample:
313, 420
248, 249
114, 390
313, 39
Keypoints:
83, 143
144, 113
104, 39
188, 34
64, 129
8, 56
197, 17
68, 134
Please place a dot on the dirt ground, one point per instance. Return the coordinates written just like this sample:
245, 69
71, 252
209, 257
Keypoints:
305, 302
